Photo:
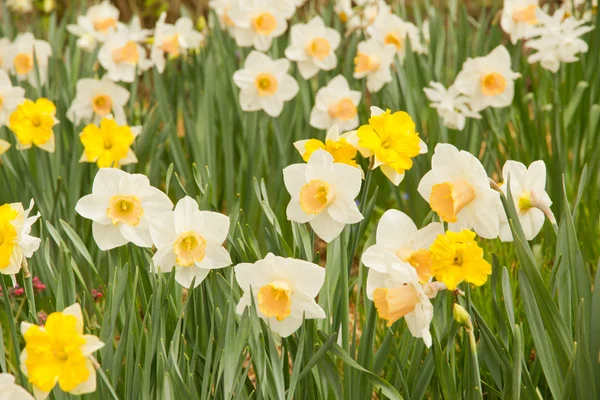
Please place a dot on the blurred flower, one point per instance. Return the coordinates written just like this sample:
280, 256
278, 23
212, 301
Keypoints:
557, 39
373, 60
341, 147
392, 140
99, 22
257, 22
528, 189
108, 145
336, 104
16, 243
221, 8
191, 241
42, 317
453, 107
19, 59
399, 248
38, 285
406, 298
458, 190
97, 294
323, 194
518, 18
343, 8
59, 353
4, 48
32, 124
10, 390
362, 14
488, 81
578, 9
456, 257
284, 290
122, 206
391, 29
48, 6
96, 99
312, 46
123, 58
20, 6
17, 291
172, 40
265, 84
10, 97
134, 30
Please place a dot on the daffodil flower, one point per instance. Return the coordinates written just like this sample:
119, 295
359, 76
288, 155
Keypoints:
16, 243
392, 140
373, 61
10, 97
32, 124
59, 353
341, 147
99, 22
191, 241
284, 291
19, 59
122, 57
172, 40
336, 104
108, 145
96, 99
519, 18
122, 206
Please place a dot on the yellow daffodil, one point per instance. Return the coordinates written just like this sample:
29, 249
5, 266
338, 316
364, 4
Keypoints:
456, 257
16, 243
392, 140
341, 147
60, 353
32, 124
108, 145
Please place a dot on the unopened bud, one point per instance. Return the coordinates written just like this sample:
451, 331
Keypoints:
461, 316
431, 289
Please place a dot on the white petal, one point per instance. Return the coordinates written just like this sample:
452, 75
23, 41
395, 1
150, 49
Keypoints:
326, 227
108, 236
185, 275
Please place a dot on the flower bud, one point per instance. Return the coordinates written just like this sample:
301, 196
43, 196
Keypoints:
461, 316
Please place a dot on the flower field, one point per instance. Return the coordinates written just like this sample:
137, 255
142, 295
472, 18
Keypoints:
299, 199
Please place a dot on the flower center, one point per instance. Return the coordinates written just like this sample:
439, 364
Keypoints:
343, 109
189, 248
104, 24
365, 63
275, 300
525, 14
102, 104
318, 48
493, 84
264, 23
23, 63
266, 84
393, 304
393, 38
171, 45
36, 121
449, 198
125, 209
315, 196
459, 256
127, 54
525, 202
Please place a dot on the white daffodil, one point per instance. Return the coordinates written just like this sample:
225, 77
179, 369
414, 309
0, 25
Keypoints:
391, 29
312, 46
123, 58
59, 354
337, 104
457, 188
323, 194
10, 97
342, 147
96, 99
373, 61
191, 241
284, 291
364, 12
528, 189
453, 107
172, 40
519, 18
16, 243
20, 6
399, 247
99, 22
9, 390
557, 39
488, 81
265, 84
122, 206
257, 22
221, 8
19, 59
134, 30
402, 296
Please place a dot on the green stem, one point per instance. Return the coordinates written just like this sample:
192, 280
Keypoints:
13, 330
